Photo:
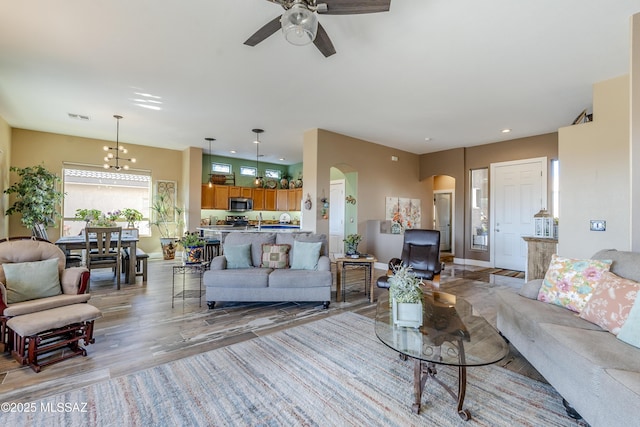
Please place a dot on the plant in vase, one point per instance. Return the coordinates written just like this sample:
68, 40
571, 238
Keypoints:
405, 297
131, 216
166, 215
88, 215
193, 246
351, 244
36, 197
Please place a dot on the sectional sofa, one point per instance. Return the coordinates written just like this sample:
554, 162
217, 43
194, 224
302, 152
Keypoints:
597, 374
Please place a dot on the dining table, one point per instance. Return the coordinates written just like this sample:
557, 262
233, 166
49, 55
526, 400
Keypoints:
68, 243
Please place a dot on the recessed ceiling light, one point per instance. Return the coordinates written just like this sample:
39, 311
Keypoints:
505, 130
281, 159
427, 139
233, 151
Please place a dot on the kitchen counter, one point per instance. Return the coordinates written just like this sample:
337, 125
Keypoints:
267, 228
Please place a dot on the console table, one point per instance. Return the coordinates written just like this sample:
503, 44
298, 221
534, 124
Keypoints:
539, 251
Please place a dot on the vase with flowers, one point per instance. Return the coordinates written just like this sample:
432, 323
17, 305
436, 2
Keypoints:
131, 216
351, 244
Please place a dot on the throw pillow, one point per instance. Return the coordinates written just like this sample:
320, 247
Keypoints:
611, 302
275, 256
630, 331
238, 256
32, 280
306, 255
569, 282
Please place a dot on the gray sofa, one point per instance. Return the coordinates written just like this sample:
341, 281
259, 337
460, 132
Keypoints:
596, 373
269, 284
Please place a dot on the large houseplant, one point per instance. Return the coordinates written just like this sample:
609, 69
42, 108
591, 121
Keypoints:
36, 196
168, 220
405, 296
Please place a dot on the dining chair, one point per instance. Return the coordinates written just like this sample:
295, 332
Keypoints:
103, 246
72, 259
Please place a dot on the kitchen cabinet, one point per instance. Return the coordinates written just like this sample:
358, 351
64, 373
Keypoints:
291, 201
207, 197
269, 199
234, 191
282, 200
246, 192
258, 199
297, 200
221, 197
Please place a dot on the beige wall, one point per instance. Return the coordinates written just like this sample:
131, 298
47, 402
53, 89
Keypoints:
635, 132
378, 177
458, 162
30, 148
595, 175
5, 156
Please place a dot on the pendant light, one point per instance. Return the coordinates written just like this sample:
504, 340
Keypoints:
258, 180
210, 141
118, 149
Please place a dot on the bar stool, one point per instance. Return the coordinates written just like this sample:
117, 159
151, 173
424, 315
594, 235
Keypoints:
211, 249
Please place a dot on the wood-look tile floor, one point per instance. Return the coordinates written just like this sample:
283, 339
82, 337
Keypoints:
139, 328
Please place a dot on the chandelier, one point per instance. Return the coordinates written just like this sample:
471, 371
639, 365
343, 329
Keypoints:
210, 140
118, 149
258, 180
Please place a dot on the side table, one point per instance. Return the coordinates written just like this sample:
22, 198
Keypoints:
342, 264
184, 268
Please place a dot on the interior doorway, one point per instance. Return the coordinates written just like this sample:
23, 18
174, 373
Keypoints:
442, 217
336, 215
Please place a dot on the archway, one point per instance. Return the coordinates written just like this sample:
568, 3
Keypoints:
342, 214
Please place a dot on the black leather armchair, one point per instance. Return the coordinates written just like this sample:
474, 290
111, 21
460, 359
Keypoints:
420, 251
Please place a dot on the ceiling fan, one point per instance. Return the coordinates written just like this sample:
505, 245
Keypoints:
300, 24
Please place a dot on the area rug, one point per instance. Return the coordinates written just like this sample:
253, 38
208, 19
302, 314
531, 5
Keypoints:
330, 372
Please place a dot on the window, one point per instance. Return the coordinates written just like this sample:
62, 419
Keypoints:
248, 170
221, 168
479, 209
272, 173
88, 188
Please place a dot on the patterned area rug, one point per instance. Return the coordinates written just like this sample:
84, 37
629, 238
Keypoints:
331, 372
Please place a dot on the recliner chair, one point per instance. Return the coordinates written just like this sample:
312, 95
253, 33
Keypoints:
420, 251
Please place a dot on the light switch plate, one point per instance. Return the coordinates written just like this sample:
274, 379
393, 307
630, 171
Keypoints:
598, 225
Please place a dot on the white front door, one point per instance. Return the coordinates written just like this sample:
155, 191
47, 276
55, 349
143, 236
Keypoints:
336, 216
519, 191
442, 219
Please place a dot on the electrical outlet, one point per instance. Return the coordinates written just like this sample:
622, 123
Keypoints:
598, 225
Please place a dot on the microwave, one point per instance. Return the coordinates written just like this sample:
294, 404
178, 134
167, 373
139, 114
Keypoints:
240, 204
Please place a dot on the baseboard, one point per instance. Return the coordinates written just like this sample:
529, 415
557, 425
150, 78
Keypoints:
476, 262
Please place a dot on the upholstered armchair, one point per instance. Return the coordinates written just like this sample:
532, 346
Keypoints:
33, 278
420, 251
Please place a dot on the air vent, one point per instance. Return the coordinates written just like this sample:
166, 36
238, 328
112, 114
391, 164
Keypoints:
78, 116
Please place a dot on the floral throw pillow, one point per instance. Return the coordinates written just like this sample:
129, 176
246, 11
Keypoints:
611, 302
569, 282
275, 256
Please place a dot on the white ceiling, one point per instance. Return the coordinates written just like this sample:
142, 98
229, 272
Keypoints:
457, 71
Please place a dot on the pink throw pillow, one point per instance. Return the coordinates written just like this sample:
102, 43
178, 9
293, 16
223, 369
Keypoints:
611, 302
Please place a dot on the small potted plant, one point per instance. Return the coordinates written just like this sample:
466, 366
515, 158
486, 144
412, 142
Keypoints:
88, 215
405, 296
193, 247
132, 216
351, 244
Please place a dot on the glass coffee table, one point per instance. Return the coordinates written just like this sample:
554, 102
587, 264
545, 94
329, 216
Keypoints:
450, 335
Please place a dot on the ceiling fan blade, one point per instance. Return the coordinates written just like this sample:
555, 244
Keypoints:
323, 42
352, 7
264, 32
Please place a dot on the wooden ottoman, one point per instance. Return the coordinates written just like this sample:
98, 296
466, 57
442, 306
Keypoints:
31, 335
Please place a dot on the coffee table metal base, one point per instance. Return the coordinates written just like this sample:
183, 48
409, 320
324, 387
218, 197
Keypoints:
422, 371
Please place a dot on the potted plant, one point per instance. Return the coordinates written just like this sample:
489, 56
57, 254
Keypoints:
164, 219
193, 247
37, 198
351, 243
88, 215
405, 295
132, 216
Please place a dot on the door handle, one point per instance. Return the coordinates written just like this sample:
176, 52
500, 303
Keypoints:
497, 230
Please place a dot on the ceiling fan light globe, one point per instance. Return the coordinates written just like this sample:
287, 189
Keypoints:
299, 25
